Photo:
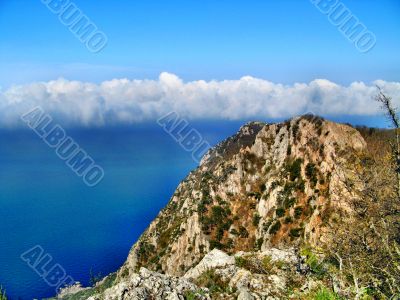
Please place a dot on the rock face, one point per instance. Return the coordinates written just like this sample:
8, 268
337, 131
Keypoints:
215, 259
239, 218
269, 185
150, 285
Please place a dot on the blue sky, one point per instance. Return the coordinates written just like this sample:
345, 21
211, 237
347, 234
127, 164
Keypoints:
283, 41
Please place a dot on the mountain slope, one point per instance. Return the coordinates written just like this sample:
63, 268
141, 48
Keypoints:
269, 185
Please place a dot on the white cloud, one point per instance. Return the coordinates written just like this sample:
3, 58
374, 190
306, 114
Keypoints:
129, 101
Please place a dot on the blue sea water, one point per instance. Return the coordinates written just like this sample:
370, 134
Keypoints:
42, 202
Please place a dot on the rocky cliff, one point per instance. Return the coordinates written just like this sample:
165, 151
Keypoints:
271, 186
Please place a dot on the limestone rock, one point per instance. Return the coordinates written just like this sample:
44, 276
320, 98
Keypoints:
245, 295
214, 259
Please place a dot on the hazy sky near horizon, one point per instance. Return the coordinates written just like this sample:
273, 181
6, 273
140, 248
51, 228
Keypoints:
204, 59
283, 41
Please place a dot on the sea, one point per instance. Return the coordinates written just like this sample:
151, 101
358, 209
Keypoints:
85, 230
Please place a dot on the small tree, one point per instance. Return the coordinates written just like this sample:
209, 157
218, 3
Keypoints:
391, 113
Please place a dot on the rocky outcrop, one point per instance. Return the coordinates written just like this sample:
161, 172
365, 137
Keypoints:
246, 275
150, 285
214, 259
261, 275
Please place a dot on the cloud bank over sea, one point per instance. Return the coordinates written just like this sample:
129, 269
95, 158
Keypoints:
124, 101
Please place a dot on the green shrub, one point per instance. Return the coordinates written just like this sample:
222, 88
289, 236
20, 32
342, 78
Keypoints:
243, 232
295, 131
294, 169
201, 249
106, 283
256, 219
220, 232
322, 149
289, 150
310, 170
193, 295
145, 249
201, 208
267, 263
213, 282
216, 245
274, 185
219, 200
313, 262
281, 264
255, 195
267, 224
301, 185
275, 227
204, 202
322, 293
206, 223
289, 202
229, 244
254, 265
298, 211
288, 220
311, 173
240, 262
280, 212
258, 244
296, 232
190, 295
218, 213
234, 231
219, 218
288, 188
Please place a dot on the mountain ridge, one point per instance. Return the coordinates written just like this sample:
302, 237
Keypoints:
273, 143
